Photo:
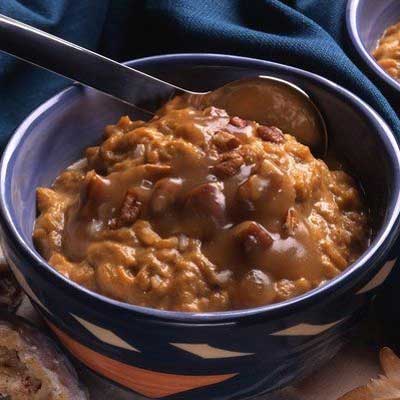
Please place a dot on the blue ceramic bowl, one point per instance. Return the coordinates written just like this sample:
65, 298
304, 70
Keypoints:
366, 21
174, 355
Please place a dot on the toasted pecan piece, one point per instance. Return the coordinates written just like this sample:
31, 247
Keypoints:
252, 236
229, 165
270, 134
225, 141
291, 223
130, 209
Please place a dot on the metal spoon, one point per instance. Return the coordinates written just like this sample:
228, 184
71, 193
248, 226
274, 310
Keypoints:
264, 99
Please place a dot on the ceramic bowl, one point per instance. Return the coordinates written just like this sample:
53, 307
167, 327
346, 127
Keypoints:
366, 21
175, 355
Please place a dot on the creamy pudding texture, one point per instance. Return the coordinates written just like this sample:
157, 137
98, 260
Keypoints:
200, 211
387, 53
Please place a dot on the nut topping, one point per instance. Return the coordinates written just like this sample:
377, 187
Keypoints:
130, 209
230, 165
292, 221
225, 141
252, 237
270, 134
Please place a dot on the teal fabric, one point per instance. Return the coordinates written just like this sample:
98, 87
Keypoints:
309, 34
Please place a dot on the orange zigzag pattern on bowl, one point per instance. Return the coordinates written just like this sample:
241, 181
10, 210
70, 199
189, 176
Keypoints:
148, 383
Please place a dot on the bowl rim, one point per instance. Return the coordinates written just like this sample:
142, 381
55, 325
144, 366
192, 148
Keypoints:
352, 27
369, 259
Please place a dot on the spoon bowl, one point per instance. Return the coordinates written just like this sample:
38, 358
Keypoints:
272, 101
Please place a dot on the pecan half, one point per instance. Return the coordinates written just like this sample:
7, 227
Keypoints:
270, 134
291, 223
130, 209
252, 236
229, 165
225, 141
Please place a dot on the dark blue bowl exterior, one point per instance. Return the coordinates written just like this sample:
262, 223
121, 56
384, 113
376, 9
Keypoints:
366, 22
231, 355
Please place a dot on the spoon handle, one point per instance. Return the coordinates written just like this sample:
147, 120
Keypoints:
85, 66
